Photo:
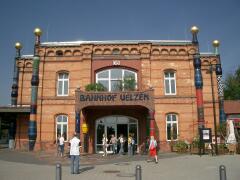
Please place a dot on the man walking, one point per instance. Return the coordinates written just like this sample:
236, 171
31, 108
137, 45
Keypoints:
74, 153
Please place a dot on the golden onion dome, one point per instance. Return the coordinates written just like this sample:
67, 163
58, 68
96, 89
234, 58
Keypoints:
37, 31
18, 45
216, 43
194, 29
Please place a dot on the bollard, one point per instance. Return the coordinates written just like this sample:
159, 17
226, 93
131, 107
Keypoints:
58, 171
138, 172
222, 172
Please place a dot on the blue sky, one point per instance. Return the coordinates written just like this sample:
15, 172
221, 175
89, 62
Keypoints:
70, 20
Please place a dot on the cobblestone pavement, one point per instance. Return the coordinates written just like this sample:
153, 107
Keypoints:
51, 158
40, 166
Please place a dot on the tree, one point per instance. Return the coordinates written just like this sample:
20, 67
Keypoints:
232, 86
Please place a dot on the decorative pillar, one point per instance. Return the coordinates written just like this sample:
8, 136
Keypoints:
32, 126
14, 93
77, 122
198, 78
152, 122
222, 115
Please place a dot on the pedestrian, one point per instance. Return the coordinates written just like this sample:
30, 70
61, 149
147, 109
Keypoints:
129, 145
113, 141
133, 145
61, 145
121, 140
104, 144
153, 149
146, 150
74, 154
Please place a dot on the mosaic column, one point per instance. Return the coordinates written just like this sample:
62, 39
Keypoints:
222, 115
14, 93
198, 79
32, 126
77, 122
152, 122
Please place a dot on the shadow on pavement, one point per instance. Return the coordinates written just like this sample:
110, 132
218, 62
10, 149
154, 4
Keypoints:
82, 170
89, 161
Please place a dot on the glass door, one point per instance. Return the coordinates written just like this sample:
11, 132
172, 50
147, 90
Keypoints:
100, 131
110, 130
115, 125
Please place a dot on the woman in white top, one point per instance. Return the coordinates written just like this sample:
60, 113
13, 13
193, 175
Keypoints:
61, 144
104, 144
153, 148
121, 140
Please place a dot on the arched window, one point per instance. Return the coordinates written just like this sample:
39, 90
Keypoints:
113, 79
62, 126
116, 51
59, 53
170, 83
63, 84
171, 127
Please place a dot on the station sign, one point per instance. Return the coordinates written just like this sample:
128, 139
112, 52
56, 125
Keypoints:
143, 98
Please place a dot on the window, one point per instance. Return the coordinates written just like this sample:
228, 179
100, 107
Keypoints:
62, 126
172, 127
62, 84
59, 53
170, 83
116, 51
113, 79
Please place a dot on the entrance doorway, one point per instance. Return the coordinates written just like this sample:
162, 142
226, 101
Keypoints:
123, 129
115, 125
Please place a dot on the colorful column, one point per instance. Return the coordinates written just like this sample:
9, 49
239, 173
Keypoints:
32, 126
198, 79
14, 93
152, 122
222, 115
77, 122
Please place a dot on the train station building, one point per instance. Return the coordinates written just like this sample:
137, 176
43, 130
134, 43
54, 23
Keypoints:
163, 88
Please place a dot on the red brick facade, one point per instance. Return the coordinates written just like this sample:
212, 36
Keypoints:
149, 59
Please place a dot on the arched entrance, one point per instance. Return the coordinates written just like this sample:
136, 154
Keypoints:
135, 108
115, 125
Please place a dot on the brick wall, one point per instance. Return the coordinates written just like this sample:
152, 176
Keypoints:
83, 61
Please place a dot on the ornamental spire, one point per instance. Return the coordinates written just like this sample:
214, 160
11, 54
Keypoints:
14, 93
194, 31
216, 44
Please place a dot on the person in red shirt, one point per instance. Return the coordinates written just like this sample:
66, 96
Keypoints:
153, 148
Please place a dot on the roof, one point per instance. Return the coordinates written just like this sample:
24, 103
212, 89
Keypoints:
14, 109
29, 56
232, 106
207, 54
157, 42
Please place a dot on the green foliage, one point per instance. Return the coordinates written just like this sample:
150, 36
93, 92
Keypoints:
222, 146
95, 87
222, 129
195, 142
127, 84
232, 86
181, 146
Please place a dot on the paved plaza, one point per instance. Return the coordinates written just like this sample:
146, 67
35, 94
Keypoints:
40, 166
